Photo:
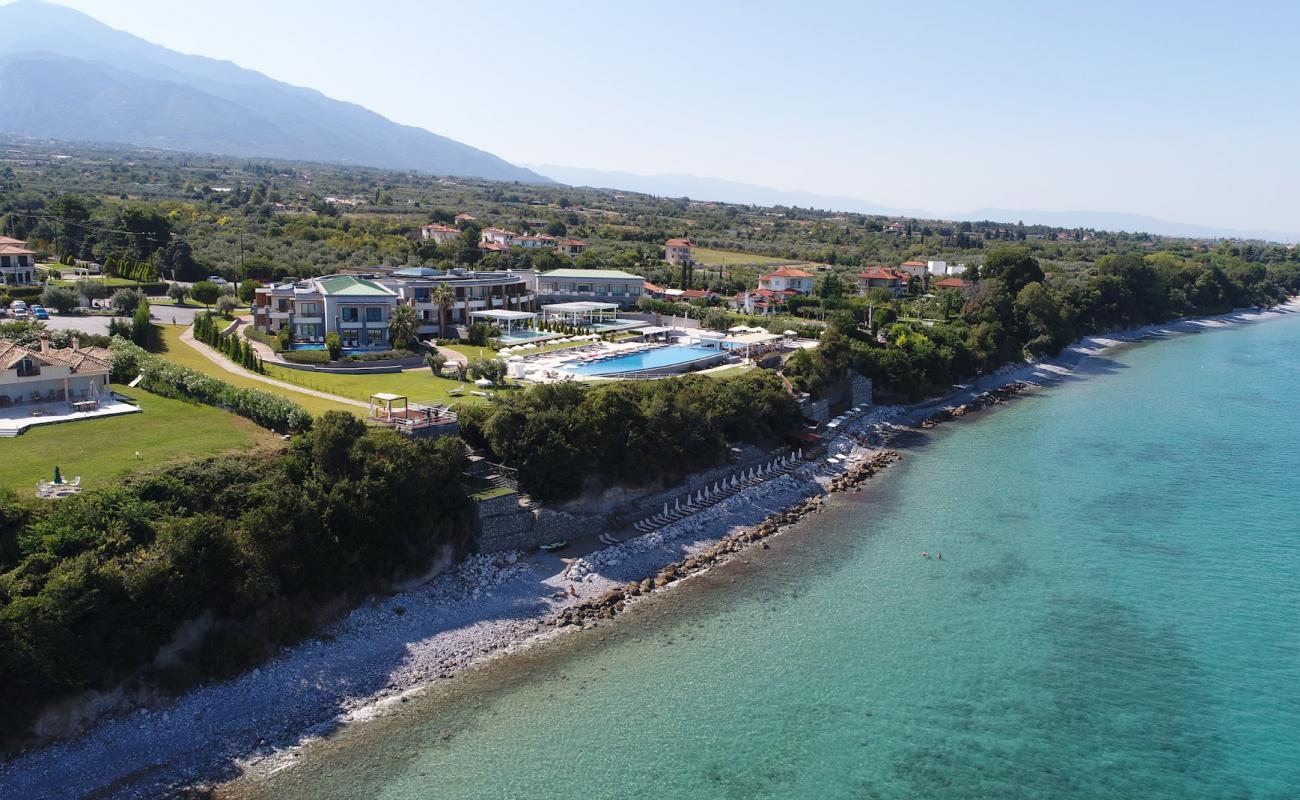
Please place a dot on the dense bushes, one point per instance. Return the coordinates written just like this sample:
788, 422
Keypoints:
560, 435
92, 586
306, 356
1016, 310
164, 378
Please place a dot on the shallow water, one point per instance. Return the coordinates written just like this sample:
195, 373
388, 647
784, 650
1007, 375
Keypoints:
1115, 615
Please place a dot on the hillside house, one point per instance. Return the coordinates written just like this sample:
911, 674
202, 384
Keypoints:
787, 279
881, 278
17, 263
439, 234
679, 251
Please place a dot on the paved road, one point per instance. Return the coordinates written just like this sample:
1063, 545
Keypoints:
99, 324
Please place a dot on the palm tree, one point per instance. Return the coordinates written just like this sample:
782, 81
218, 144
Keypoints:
403, 325
444, 297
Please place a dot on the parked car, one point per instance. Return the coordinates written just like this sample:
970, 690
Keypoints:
18, 313
40, 313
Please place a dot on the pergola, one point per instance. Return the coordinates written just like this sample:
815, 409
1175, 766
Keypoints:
508, 320
580, 313
751, 343
385, 406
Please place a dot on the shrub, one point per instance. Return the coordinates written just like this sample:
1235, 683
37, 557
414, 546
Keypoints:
165, 378
143, 331
333, 345
205, 292
126, 301
178, 293
267, 339
284, 337
306, 356
60, 298
227, 303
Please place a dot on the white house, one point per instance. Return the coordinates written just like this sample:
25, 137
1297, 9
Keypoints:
17, 263
790, 278
678, 251
581, 285
440, 234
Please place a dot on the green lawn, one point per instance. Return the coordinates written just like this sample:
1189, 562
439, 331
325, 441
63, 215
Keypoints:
418, 385
100, 450
185, 355
727, 258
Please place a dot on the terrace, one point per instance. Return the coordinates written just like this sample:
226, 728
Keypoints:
600, 317
417, 420
518, 326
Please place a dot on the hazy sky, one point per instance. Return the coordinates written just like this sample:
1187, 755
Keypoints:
1186, 111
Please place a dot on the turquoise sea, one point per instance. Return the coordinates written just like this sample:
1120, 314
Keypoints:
1116, 615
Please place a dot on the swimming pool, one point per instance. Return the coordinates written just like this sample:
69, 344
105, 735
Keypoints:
673, 358
526, 335
347, 351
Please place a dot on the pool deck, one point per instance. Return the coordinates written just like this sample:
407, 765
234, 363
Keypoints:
559, 365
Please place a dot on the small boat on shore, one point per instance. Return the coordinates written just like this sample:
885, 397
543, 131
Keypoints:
551, 547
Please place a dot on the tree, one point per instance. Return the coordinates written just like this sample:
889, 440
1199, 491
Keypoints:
248, 290
333, 345
403, 326
832, 285
60, 298
444, 297
142, 327
205, 292
491, 368
226, 304
126, 301
178, 293
435, 361
1014, 265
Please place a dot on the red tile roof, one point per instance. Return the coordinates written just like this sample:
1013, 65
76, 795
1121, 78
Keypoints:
787, 272
679, 243
880, 274
954, 283
572, 243
650, 287
914, 264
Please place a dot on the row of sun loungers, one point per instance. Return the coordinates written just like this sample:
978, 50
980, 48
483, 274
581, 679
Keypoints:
606, 354
719, 491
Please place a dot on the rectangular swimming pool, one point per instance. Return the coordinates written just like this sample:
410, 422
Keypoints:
668, 359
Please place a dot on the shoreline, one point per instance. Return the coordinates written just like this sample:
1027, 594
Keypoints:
391, 648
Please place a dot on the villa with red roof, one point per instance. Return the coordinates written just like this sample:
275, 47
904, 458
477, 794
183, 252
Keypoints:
571, 247
881, 278
951, 283
787, 279
678, 251
913, 269
439, 233
17, 263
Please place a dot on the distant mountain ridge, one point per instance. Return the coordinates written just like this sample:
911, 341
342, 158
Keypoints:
722, 190
64, 75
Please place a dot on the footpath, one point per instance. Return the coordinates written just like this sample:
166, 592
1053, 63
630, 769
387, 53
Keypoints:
230, 366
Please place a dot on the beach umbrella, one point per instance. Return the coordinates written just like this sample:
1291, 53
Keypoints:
665, 508
677, 504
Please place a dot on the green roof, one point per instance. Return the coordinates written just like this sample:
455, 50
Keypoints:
589, 273
348, 285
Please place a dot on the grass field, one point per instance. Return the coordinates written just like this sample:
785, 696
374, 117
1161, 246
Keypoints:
726, 258
113, 283
418, 385
100, 450
185, 355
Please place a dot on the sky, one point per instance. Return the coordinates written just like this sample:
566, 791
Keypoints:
1184, 111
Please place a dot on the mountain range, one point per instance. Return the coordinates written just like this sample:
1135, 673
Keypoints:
727, 191
64, 75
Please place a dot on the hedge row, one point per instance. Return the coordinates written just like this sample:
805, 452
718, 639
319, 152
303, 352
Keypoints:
164, 378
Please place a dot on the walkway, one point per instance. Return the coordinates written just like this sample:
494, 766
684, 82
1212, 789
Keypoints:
229, 366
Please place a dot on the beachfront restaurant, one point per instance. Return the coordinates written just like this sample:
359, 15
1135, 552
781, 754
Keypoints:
515, 326
601, 317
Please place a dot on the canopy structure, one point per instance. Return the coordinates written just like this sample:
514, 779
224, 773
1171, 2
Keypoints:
582, 313
751, 344
385, 406
509, 321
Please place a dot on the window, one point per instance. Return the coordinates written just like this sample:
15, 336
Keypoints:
421, 295
307, 309
376, 338
349, 314
374, 314
27, 368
